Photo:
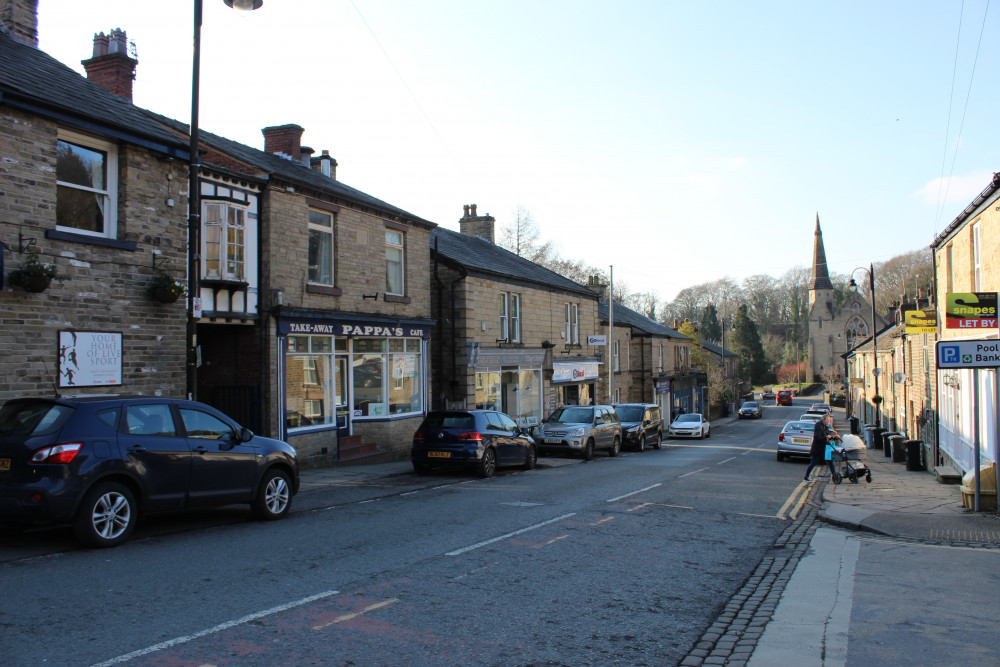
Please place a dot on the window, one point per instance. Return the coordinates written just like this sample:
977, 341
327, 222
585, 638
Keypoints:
312, 386
86, 185
659, 358
394, 262
510, 317
200, 424
373, 362
321, 247
150, 420
976, 257
572, 331
224, 241
615, 357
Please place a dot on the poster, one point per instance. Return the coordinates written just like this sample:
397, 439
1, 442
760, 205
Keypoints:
971, 310
90, 358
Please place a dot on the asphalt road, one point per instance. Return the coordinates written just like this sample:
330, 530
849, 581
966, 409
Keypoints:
615, 561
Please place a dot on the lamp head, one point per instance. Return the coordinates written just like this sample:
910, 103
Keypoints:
853, 286
244, 5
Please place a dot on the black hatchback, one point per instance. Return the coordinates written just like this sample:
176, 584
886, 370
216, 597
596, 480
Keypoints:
641, 425
482, 439
100, 463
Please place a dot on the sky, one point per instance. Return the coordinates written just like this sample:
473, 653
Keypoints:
673, 142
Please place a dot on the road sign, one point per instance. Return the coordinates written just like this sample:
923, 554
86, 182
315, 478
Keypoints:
968, 353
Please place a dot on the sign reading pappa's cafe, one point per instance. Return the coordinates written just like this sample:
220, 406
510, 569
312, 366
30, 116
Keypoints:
351, 329
90, 358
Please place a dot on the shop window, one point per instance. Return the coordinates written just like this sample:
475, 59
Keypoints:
312, 387
224, 241
387, 376
321, 247
86, 185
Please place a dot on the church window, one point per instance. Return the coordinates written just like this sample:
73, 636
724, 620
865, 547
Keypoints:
821, 323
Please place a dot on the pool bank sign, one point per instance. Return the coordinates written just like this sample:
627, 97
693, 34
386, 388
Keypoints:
968, 354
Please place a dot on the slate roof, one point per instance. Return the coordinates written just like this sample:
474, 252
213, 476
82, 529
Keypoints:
625, 315
291, 171
715, 349
480, 257
35, 82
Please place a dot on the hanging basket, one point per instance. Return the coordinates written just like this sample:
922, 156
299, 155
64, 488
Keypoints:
35, 283
165, 294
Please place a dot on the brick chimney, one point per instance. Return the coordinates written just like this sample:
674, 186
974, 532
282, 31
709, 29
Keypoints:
284, 140
472, 224
112, 67
19, 18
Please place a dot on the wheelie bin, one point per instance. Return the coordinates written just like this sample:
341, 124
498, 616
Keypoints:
898, 448
913, 452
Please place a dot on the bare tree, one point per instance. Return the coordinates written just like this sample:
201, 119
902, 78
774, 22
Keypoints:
521, 237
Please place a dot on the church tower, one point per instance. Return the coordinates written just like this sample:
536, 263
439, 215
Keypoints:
820, 287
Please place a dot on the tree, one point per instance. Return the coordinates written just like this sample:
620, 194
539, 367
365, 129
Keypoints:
521, 237
718, 388
831, 379
711, 330
746, 343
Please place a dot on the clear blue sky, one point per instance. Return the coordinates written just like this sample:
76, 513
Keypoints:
679, 142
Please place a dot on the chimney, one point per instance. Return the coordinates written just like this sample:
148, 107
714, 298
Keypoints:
305, 155
472, 224
284, 140
19, 19
325, 165
111, 67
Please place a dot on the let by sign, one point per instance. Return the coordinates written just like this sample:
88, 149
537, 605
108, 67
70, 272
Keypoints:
971, 310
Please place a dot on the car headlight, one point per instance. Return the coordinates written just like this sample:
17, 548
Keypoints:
574, 433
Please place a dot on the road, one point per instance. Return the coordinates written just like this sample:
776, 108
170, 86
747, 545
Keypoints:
617, 561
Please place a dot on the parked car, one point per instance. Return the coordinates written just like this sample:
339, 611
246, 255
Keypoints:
751, 410
812, 415
641, 424
767, 395
581, 429
784, 397
481, 439
821, 407
100, 463
795, 439
689, 425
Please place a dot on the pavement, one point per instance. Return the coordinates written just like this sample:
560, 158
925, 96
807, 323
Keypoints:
897, 502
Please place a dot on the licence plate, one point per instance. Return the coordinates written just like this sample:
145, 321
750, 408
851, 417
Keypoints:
801, 441
4, 464
553, 441
439, 455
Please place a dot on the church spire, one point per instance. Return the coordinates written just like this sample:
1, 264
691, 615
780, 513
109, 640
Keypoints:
820, 274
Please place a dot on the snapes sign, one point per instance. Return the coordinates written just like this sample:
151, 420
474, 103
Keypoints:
971, 310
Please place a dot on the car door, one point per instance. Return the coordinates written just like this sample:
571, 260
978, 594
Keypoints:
605, 428
156, 453
514, 444
223, 469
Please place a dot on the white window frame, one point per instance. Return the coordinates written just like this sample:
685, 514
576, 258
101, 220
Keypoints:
572, 324
977, 256
614, 356
225, 245
401, 247
324, 229
110, 194
504, 319
510, 317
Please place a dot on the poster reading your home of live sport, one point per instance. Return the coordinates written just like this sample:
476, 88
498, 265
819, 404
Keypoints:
90, 358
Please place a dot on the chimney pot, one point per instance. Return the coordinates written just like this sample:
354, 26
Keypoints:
111, 66
283, 139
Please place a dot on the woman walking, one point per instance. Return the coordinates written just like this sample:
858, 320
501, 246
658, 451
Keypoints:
823, 437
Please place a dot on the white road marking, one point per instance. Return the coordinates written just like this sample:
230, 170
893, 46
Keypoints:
693, 472
731, 458
458, 552
611, 500
219, 628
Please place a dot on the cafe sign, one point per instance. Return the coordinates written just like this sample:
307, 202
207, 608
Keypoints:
971, 310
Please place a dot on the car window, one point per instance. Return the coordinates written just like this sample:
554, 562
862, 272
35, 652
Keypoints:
629, 413
493, 421
200, 424
690, 417
26, 419
449, 420
150, 419
509, 424
108, 418
653, 414
573, 415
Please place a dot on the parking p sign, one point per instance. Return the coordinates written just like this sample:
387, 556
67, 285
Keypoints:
968, 354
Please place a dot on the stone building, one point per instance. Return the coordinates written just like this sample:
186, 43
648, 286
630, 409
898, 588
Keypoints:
833, 330
965, 260
95, 188
510, 334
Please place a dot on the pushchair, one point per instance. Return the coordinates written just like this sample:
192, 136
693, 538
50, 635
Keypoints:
848, 460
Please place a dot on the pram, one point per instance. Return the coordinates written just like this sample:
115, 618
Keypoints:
851, 455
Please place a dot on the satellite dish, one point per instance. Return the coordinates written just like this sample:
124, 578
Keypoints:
899, 377
877, 372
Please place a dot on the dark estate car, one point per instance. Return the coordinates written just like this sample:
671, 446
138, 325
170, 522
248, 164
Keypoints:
641, 424
581, 429
751, 409
99, 463
483, 439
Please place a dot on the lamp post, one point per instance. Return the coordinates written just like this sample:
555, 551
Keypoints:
876, 399
194, 200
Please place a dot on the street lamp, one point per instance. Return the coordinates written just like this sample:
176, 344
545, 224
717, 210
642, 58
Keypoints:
876, 399
194, 200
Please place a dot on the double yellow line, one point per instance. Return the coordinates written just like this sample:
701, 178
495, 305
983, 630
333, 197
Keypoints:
795, 501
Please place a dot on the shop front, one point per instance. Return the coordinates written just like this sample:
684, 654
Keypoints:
342, 376
575, 382
510, 380
683, 394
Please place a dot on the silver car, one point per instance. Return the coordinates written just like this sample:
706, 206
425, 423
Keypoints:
581, 429
796, 439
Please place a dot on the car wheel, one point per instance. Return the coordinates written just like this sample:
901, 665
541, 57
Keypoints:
532, 459
274, 497
488, 464
659, 440
708, 432
421, 468
107, 516
616, 447
868, 478
781, 456
588, 451
642, 442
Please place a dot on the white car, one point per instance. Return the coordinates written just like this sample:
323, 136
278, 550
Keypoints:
690, 425
812, 416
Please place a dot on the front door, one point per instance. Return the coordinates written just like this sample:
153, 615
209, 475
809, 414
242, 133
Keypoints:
343, 401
